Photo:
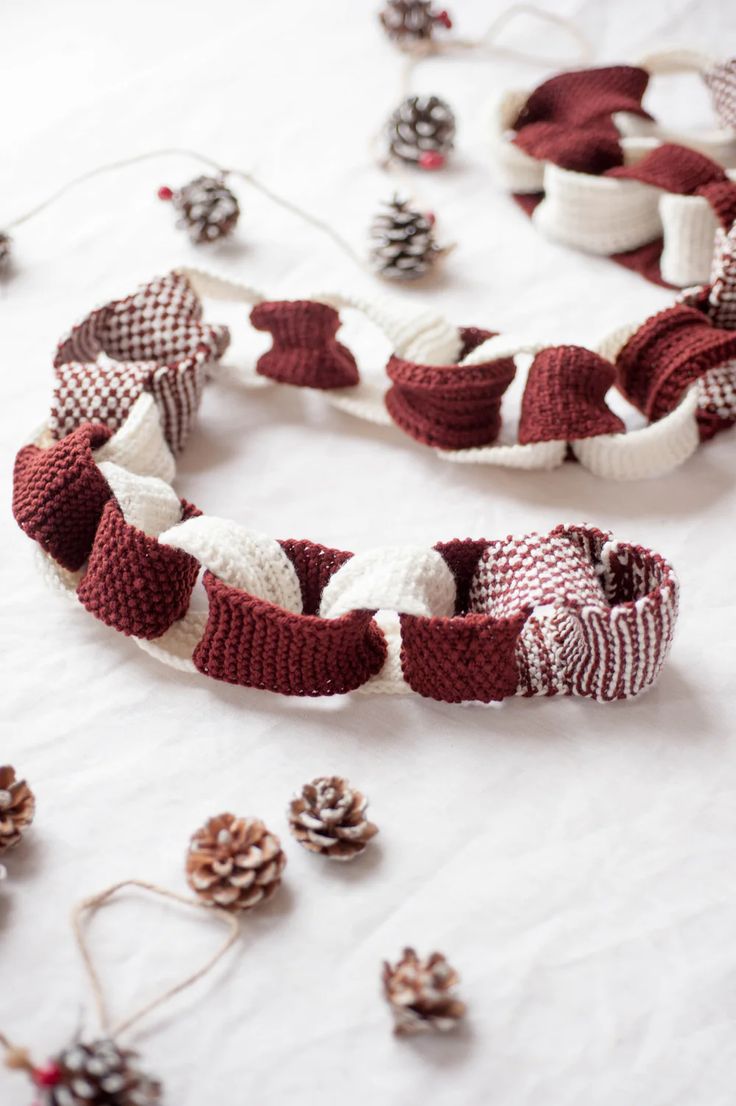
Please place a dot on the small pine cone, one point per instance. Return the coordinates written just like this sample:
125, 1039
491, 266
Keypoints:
6, 251
421, 993
208, 209
422, 131
17, 807
234, 863
328, 817
404, 246
96, 1074
412, 23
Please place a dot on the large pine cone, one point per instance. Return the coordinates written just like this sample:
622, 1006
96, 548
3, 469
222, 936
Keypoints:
421, 993
98, 1074
422, 131
208, 209
404, 243
17, 807
235, 863
412, 23
328, 817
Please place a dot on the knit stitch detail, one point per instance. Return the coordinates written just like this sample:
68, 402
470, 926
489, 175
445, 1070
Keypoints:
59, 494
564, 397
253, 643
305, 351
132, 582
448, 406
668, 353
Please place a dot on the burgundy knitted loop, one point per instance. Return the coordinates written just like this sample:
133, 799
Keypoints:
567, 119
462, 558
471, 337
674, 168
132, 582
592, 148
721, 195
305, 351
59, 494
584, 95
564, 398
668, 353
448, 406
314, 564
254, 643
460, 659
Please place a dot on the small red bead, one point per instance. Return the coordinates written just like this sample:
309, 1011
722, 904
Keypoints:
431, 218
165, 193
432, 159
47, 1076
443, 17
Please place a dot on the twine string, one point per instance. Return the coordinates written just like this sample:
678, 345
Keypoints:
93, 903
151, 155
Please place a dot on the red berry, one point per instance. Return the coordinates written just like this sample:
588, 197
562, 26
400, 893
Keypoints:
431, 218
165, 193
443, 17
432, 159
47, 1076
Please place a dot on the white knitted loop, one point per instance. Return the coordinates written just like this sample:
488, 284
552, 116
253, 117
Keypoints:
206, 284
601, 215
146, 502
650, 451
390, 680
176, 647
426, 338
239, 557
139, 445
502, 346
406, 579
537, 455
517, 170
689, 226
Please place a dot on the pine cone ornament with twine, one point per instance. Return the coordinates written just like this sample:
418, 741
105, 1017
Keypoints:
328, 817
412, 23
422, 131
234, 863
6, 251
421, 993
96, 1074
207, 208
17, 807
404, 246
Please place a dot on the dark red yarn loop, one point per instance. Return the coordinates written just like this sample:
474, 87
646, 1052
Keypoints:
564, 398
667, 354
448, 406
132, 582
305, 351
568, 119
314, 564
59, 494
254, 643
461, 659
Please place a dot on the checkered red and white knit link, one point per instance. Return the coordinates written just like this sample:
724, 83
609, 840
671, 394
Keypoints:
571, 612
596, 172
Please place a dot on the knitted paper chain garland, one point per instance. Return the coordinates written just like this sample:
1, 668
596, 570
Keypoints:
571, 612
595, 171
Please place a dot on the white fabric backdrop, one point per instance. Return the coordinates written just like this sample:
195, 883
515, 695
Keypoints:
574, 861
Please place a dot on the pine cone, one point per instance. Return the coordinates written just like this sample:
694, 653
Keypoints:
208, 209
412, 23
328, 817
6, 250
422, 131
421, 993
17, 807
235, 863
96, 1074
404, 244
